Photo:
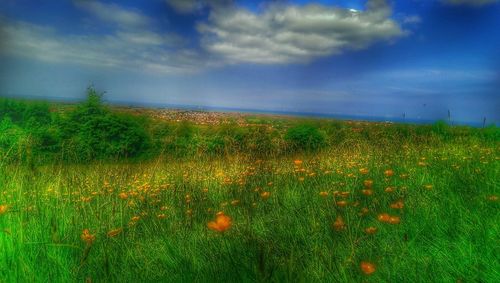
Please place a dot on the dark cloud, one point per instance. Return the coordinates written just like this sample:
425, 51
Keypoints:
191, 6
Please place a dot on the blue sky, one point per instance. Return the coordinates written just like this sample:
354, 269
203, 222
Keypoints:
369, 58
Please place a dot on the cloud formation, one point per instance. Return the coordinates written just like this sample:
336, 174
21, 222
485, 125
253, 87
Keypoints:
277, 34
146, 51
113, 13
470, 2
133, 44
287, 33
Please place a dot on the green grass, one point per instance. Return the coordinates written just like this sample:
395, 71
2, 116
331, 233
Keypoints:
449, 233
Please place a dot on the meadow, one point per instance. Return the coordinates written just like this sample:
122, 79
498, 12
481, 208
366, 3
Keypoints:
89, 193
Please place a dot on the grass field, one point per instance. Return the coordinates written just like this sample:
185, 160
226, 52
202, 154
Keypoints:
318, 217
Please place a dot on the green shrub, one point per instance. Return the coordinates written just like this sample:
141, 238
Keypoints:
12, 109
260, 141
112, 135
96, 132
234, 136
185, 130
305, 137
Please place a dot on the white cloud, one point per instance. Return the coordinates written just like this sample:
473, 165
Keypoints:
113, 13
148, 38
146, 51
283, 34
470, 2
279, 34
133, 44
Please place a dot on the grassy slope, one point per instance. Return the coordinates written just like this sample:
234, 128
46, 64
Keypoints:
447, 233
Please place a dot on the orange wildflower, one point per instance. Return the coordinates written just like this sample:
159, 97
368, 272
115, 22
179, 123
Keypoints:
297, 162
161, 216
87, 237
364, 171
135, 218
367, 192
3, 208
323, 194
384, 217
342, 203
367, 267
398, 205
222, 223
123, 195
388, 173
371, 230
389, 190
339, 224
394, 220
114, 232
86, 199
265, 195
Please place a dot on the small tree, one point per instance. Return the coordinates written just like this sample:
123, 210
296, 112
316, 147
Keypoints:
96, 132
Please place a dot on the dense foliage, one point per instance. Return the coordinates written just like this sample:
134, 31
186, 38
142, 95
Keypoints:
39, 132
306, 137
85, 132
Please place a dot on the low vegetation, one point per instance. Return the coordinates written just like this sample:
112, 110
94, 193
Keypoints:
91, 193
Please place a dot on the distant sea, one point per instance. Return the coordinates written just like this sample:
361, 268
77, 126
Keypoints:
393, 119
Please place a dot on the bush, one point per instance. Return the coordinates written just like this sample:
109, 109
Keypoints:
305, 137
111, 135
261, 141
234, 136
96, 132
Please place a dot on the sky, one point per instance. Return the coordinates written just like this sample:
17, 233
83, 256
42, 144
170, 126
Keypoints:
360, 58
